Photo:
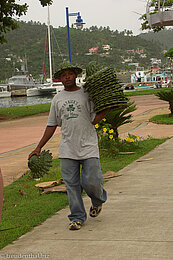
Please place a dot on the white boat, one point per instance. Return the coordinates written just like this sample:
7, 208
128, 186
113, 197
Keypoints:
32, 92
41, 91
45, 89
21, 82
49, 87
4, 92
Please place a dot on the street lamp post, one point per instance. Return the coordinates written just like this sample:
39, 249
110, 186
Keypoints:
79, 24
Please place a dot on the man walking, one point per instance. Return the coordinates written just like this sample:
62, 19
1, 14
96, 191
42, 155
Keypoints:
72, 110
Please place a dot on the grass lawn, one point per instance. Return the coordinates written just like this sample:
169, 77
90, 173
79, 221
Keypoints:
162, 119
16, 112
145, 92
21, 213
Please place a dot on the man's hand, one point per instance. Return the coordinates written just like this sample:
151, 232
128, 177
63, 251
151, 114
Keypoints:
100, 116
36, 151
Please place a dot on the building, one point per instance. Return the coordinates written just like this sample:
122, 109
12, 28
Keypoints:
106, 47
93, 50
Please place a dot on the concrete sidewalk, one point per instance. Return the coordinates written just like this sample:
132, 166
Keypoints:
135, 224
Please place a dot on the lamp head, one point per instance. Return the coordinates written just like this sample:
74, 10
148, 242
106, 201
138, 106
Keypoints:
79, 22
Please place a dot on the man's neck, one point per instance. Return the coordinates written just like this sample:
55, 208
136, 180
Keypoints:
72, 88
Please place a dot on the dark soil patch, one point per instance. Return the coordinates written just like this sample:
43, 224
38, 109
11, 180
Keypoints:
4, 117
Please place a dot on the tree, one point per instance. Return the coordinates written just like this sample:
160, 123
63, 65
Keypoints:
46, 2
8, 9
169, 54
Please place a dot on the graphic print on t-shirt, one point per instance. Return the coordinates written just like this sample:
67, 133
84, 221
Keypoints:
71, 109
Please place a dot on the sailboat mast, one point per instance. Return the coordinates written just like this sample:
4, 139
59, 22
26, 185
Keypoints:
50, 58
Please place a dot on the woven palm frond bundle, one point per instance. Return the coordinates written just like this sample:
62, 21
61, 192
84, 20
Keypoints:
105, 90
92, 68
40, 166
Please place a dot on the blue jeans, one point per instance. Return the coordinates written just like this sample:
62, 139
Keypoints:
90, 179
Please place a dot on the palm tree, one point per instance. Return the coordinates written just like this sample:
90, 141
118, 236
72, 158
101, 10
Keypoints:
120, 117
166, 95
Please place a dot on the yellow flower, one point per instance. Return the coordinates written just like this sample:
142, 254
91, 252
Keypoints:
111, 136
138, 137
96, 126
128, 139
104, 119
104, 130
111, 131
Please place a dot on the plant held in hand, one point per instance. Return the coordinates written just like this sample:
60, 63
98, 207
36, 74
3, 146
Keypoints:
40, 166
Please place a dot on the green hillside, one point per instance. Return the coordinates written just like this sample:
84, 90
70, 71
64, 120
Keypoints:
164, 38
29, 40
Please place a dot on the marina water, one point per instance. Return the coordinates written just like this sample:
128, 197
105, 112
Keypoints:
24, 101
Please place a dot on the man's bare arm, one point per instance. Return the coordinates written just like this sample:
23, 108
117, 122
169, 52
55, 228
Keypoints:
49, 131
99, 116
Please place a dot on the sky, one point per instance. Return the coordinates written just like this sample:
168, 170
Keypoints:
117, 14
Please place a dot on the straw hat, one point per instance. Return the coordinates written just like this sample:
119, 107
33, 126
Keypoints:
64, 66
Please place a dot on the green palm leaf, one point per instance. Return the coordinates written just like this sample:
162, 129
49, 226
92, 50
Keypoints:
165, 95
121, 116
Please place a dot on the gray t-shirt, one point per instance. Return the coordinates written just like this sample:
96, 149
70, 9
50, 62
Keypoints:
73, 111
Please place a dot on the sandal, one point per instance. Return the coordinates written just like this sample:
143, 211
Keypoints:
75, 225
95, 211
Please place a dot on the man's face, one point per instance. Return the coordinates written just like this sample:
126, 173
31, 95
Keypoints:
68, 78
